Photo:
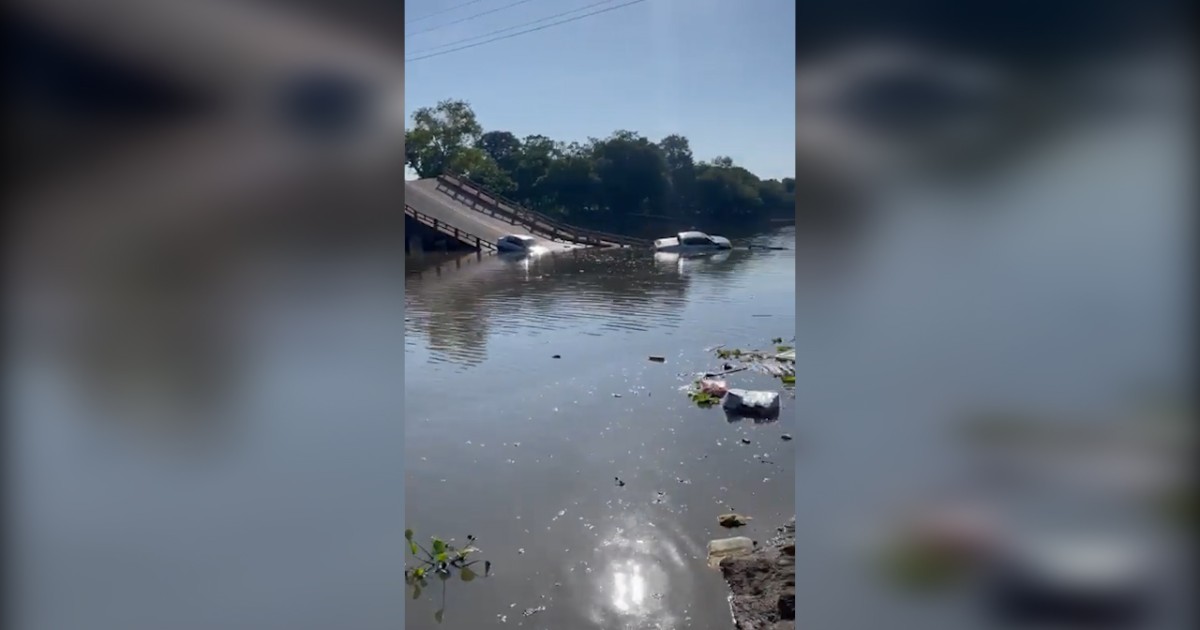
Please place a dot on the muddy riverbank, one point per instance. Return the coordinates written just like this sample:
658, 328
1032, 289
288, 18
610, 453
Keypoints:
763, 583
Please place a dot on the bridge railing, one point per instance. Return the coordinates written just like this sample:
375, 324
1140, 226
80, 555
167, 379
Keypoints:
449, 230
537, 221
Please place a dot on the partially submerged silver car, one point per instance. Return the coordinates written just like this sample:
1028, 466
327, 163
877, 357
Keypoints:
692, 242
517, 243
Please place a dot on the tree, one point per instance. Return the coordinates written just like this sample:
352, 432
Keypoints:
633, 175
726, 193
575, 186
475, 164
536, 156
604, 183
439, 137
503, 147
681, 171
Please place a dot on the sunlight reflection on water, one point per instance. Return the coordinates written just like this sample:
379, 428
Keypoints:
635, 582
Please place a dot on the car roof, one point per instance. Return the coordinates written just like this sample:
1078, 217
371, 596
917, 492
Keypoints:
520, 237
692, 234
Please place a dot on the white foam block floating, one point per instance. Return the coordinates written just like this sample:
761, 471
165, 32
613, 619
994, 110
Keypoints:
751, 402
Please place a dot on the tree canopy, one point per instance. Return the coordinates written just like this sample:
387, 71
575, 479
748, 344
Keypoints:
619, 183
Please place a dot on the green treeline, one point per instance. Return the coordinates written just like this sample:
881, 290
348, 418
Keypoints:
623, 183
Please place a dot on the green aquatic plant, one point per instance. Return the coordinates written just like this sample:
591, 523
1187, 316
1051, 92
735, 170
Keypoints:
441, 560
701, 397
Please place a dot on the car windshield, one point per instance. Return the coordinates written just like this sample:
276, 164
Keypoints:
696, 239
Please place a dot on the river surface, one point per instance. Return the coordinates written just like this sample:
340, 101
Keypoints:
523, 450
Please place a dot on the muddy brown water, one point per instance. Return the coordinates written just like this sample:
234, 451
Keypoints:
522, 450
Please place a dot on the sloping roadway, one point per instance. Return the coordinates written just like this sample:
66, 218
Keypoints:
423, 196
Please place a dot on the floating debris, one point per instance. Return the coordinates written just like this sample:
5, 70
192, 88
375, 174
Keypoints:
753, 404
658, 359
702, 397
620, 484
780, 363
732, 519
786, 437
727, 547
529, 612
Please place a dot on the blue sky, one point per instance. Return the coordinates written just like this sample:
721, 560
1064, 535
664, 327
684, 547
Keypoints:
721, 72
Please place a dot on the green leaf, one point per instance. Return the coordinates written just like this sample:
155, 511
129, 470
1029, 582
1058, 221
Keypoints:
412, 546
439, 546
466, 574
442, 557
408, 534
788, 379
419, 572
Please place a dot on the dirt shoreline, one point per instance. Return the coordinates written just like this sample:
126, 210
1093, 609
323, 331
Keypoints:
763, 583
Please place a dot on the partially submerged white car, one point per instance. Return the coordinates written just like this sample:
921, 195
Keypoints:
692, 243
517, 243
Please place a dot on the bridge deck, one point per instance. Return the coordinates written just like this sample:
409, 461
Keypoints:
425, 198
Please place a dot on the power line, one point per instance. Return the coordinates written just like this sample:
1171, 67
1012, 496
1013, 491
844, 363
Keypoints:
517, 26
469, 17
526, 31
437, 13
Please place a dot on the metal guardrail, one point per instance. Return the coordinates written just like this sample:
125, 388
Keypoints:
449, 230
535, 220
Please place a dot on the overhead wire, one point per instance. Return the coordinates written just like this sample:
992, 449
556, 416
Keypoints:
442, 11
516, 26
468, 18
421, 56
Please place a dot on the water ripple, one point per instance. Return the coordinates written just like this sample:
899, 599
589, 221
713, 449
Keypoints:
456, 306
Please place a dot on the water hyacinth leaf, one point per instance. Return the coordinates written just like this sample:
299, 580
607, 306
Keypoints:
439, 545
467, 574
408, 534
